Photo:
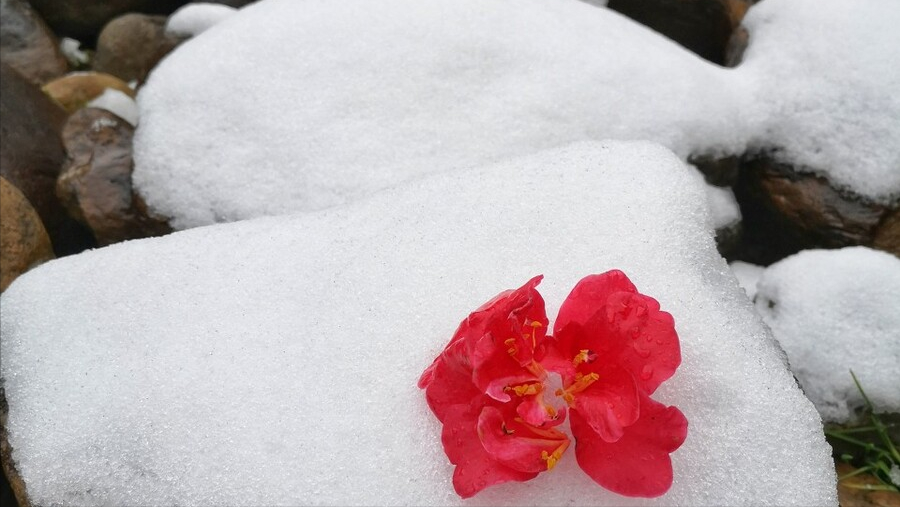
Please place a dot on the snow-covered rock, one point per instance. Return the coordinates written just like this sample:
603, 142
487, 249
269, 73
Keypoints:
292, 105
275, 361
118, 103
834, 311
195, 18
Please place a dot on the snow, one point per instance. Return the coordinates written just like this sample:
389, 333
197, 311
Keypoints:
895, 474
195, 18
352, 97
274, 361
118, 103
359, 96
71, 49
748, 275
828, 74
723, 206
834, 311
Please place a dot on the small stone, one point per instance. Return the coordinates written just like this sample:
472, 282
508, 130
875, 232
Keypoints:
31, 156
27, 44
131, 45
95, 185
24, 242
75, 90
786, 210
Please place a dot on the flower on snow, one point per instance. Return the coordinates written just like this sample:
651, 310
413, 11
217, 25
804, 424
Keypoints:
612, 347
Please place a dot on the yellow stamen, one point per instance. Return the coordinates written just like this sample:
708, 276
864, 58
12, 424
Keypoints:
553, 458
525, 389
581, 383
581, 357
511, 343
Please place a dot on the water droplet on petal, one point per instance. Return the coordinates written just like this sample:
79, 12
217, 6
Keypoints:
646, 372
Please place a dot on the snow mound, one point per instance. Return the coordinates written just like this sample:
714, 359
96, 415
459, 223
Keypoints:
827, 79
195, 18
275, 361
355, 96
294, 106
834, 311
118, 104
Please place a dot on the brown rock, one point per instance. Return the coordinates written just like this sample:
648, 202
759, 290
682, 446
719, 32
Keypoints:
83, 19
95, 186
17, 485
131, 45
785, 211
27, 44
703, 26
31, 156
75, 90
24, 242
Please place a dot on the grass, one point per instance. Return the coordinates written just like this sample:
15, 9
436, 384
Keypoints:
868, 447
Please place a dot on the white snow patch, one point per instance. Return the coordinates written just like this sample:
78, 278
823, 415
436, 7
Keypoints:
195, 18
895, 474
748, 275
293, 106
833, 311
118, 103
275, 361
71, 49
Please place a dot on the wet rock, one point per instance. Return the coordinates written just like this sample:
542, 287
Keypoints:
31, 156
95, 186
786, 211
27, 44
717, 170
737, 44
24, 242
131, 45
83, 19
703, 26
75, 90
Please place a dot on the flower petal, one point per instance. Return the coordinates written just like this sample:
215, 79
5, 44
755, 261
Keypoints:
638, 464
475, 468
611, 404
449, 382
605, 314
589, 295
515, 444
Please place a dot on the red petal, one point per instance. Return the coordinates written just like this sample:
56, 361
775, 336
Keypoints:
449, 383
475, 468
638, 464
606, 315
514, 444
610, 404
590, 294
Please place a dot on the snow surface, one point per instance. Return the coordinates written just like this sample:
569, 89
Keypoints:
71, 49
275, 361
117, 103
195, 18
290, 106
723, 206
748, 275
833, 311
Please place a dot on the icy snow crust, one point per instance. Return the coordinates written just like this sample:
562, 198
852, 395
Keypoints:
833, 311
275, 361
291, 105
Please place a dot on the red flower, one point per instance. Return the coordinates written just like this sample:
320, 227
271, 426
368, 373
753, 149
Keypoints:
613, 347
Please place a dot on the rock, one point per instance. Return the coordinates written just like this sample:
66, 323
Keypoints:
83, 19
786, 211
95, 186
75, 90
26, 43
131, 45
24, 242
703, 26
31, 156
717, 170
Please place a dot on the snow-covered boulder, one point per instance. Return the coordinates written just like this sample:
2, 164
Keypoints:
289, 105
275, 361
834, 311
